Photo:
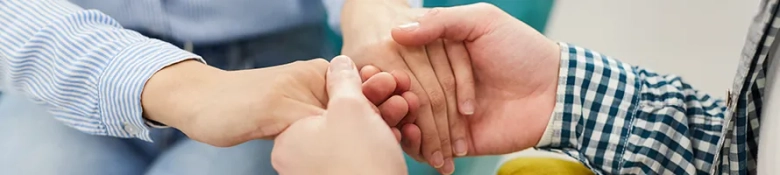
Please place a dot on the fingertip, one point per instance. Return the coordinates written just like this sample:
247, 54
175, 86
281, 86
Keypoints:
342, 77
394, 110
437, 159
467, 107
449, 167
404, 34
414, 104
367, 71
464, 78
403, 81
412, 141
379, 87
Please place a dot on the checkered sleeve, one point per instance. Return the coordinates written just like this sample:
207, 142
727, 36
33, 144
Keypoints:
619, 119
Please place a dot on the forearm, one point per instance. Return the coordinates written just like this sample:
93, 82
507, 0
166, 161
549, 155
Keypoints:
169, 96
619, 119
82, 65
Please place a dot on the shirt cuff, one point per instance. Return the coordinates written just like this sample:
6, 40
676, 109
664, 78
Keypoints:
554, 126
553, 134
548, 134
122, 82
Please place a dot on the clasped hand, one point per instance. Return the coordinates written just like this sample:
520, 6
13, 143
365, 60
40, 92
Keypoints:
486, 82
226, 108
514, 71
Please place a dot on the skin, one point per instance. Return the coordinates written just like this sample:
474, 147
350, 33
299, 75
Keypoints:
439, 74
511, 114
515, 70
340, 140
443, 95
226, 108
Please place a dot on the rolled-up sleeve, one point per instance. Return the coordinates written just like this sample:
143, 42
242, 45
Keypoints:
85, 68
621, 119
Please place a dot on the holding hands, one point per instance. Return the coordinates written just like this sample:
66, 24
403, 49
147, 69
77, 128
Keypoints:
226, 108
487, 84
515, 70
487, 81
350, 138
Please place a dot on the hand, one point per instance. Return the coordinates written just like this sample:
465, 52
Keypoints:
367, 40
226, 108
515, 69
350, 138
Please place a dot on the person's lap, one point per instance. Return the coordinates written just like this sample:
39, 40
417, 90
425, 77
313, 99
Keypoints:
192, 157
33, 142
36, 143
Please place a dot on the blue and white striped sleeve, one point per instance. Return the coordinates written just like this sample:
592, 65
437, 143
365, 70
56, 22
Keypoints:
81, 64
621, 119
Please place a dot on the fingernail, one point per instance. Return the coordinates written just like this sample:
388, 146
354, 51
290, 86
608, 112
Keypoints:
437, 160
449, 167
340, 63
409, 26
467, 108
460, 147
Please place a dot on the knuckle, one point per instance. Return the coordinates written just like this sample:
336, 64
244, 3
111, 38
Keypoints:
319, 63
436, 96
313, 66
445, 141
437, 101
448, 83
430, 141
434, 11
485, 6
455, 123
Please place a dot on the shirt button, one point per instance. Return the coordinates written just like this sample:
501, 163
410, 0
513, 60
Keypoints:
130, 129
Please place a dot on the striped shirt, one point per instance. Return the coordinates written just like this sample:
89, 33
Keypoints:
83, 65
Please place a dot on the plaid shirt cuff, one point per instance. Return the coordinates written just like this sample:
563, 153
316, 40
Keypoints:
620, 119
595, 95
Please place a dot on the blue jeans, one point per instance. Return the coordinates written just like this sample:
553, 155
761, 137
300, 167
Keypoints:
33, 142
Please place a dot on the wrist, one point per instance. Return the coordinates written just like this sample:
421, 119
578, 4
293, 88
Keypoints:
167, 97
366, 21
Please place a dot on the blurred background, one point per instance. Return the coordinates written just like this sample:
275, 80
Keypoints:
699, 40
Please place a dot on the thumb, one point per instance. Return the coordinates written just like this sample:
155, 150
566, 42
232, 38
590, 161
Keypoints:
458, 23
343, 81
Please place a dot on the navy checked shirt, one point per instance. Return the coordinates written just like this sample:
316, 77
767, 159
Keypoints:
621, 119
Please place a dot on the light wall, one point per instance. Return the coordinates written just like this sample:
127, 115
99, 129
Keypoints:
700, 40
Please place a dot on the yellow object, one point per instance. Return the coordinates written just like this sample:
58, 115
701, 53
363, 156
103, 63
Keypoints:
542, 166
